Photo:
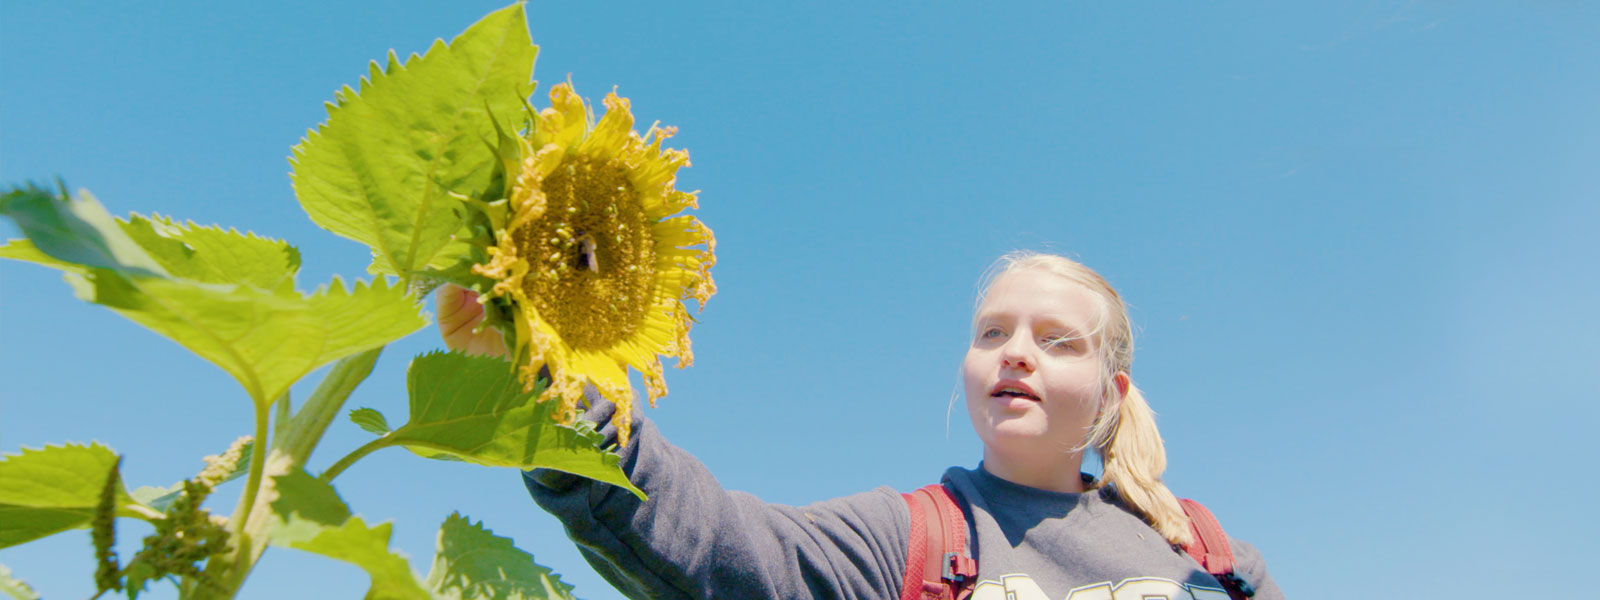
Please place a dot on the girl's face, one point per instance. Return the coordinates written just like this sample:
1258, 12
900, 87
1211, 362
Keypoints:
1032, 375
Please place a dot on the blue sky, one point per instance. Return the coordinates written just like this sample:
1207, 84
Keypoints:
1357, 238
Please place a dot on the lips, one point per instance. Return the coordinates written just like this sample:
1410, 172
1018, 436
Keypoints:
1011, 388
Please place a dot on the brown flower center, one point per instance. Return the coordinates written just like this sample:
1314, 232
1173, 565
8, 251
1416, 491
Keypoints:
591, 256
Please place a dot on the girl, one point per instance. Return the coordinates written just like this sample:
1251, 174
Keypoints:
1046, 378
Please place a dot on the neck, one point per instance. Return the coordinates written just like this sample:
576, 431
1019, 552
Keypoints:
1059, 475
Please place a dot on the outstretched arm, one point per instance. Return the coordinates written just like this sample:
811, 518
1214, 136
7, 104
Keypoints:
693, 539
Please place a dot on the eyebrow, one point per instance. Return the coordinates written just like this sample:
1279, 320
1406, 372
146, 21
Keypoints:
1050, 320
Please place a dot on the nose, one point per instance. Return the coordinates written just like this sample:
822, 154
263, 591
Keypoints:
1016, 354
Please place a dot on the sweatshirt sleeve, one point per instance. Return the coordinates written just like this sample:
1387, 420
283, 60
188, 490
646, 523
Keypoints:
1250, 566
693, 539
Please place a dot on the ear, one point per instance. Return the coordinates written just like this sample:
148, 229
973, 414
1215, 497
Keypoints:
1122, 381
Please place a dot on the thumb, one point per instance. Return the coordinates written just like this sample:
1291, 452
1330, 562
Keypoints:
460, 314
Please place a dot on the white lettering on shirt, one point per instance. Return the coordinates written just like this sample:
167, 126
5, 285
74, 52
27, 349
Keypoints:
1022, 587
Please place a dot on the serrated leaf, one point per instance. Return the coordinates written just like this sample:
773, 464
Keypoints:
212, 255
474, 408
371, 420
76, 231
474, 563
187, 251
267, 341
311, 517
43, 492
381, 171
16, 588
367, 547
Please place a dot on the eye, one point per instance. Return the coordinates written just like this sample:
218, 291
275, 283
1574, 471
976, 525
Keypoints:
992, 333
1062, 343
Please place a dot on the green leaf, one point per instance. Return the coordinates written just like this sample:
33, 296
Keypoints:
139, 572
311, 517
71, 234
43, 492
240, 312
302, 495
383, 169
267, 341
366, 547
75, 231
24, 250
187, 251
20, 524
370, 420
211, 255
474, 563
16, 588
474, 408
158, 498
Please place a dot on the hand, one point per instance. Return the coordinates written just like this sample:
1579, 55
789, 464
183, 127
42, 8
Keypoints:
459, 317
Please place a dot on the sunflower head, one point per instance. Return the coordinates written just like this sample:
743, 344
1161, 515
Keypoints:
592, 257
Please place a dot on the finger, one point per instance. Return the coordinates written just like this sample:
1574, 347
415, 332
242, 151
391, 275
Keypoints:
452, 298
458, 309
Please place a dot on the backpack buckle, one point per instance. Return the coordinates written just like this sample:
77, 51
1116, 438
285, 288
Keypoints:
1233, 580
958, 567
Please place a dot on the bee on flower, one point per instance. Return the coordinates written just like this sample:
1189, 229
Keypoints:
588, 261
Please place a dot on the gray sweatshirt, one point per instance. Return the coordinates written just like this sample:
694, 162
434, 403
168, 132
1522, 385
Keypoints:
694, 539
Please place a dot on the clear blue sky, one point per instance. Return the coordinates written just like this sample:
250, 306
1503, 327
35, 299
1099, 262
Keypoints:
1359, 240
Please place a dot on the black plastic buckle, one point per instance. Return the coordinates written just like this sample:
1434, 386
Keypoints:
1233, 581
949, 568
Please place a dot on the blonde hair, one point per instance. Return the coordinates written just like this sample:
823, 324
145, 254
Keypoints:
1124, 433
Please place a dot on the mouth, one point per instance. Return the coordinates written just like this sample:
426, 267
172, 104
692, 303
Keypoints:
1013, 389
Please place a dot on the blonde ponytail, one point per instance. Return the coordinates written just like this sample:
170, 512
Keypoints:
1134, 459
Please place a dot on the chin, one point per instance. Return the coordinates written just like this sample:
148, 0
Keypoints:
1014, 435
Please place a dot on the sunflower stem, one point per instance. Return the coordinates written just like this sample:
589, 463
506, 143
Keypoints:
293, 443
350, 459
280, 418
258, 463
306, 429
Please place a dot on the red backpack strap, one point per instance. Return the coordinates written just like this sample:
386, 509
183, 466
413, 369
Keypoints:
938, 564
1210, 548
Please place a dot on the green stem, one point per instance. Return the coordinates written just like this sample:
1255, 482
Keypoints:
350, 459
258, 465
295, 440
305, 430
280, 418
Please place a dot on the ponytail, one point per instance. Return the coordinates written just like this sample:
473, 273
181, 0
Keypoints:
1134, 459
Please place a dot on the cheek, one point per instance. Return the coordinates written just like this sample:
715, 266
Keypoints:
1079, 382
972, 386
972, 375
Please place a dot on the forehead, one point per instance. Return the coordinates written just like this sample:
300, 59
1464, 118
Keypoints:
1039, 294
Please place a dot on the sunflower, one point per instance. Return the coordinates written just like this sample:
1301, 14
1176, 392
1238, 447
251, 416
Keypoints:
591, 259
